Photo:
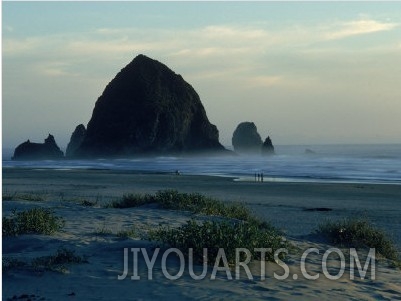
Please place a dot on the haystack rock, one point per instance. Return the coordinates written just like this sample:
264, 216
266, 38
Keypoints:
246, 138
76, 140
148, 109
38, 151
267, 147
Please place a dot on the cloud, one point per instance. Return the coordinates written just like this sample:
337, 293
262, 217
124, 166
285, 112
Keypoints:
55, 69
203, 41
359, 27
264, 81
218, 51
14, 46
233, 32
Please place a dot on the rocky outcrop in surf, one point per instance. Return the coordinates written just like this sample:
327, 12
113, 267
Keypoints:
246, 138
267, 147
38, 151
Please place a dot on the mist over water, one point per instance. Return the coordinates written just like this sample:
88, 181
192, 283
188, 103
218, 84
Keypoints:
326, 163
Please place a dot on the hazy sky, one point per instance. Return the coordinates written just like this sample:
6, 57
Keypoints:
305, 73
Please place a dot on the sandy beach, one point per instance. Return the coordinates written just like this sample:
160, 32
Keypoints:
291, 207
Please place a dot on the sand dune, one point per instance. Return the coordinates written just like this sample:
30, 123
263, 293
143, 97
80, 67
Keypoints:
85, 232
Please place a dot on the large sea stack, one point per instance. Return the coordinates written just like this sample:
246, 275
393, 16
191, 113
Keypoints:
148, 109
38, 151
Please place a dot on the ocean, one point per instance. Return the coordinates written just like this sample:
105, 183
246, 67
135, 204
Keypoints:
380, 164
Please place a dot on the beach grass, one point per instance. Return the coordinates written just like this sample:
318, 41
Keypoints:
88, 203
359, 233
131, 232
227, 234
193, 202
31, 197
58, 261
8, 196
103, 231
239, 228
9, 264
32, 221
198, 203
55, 263
132, 200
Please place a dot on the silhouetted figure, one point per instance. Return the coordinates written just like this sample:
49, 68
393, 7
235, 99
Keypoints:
261, 177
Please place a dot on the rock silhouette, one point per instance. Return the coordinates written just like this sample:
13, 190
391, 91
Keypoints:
267, 147
38, 151
308, 151
148, 109
246, 138
76, 140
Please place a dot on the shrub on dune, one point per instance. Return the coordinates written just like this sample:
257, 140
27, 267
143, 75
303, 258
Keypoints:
359, 233
32, 221
228, 235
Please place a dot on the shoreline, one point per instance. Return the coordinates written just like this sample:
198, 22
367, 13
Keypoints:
234, 177
330, 164
8, 172
275, 201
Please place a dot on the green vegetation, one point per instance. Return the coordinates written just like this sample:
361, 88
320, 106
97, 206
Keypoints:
132, 200
129, 233
359, 233
103, 231
238, 228
33, 197
7, 196
32, 221
193, 202
87, 203
198, 203
11, 263
227, 234
57, 262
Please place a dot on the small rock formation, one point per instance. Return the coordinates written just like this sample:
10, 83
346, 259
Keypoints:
309, 152
76, 140
267, 147
38, 151
148, 109
246, 138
